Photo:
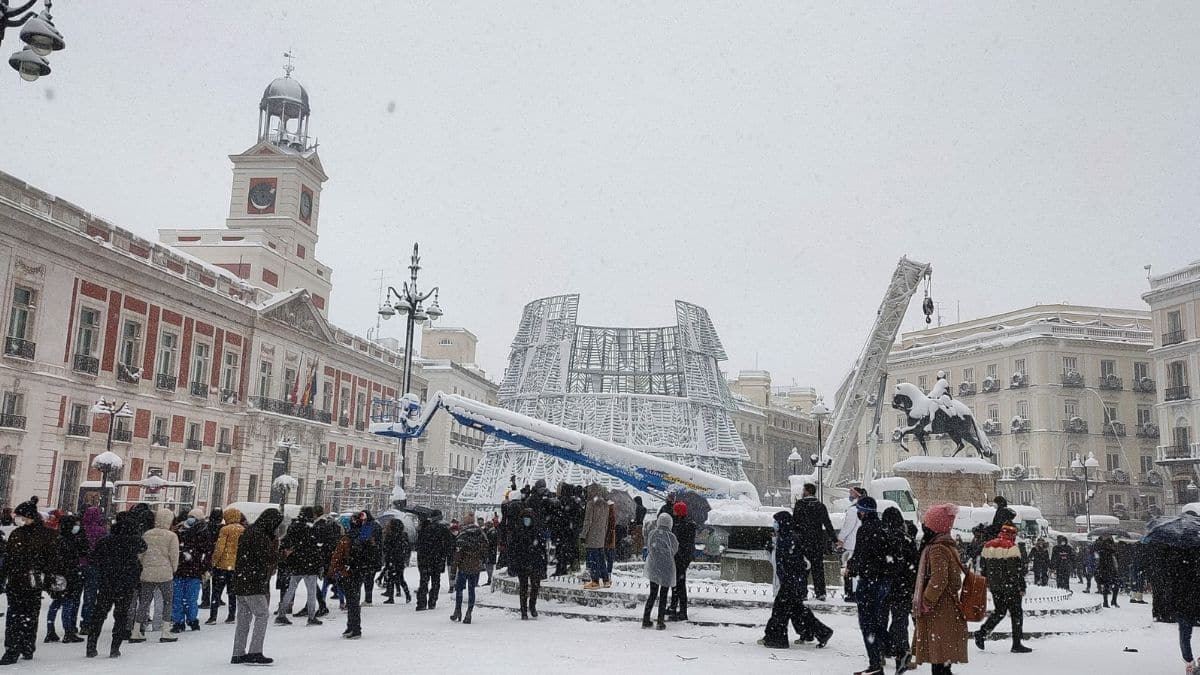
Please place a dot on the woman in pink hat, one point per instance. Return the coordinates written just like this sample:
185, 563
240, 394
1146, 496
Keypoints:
940, 637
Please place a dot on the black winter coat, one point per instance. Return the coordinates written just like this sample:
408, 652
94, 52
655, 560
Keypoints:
685, 532
70, 548
31, 555
257, 555
814, 531
302, 548
396, 548
1062, 558
327, 533
434, 544
1175, 578
1040, 559
789, 561
527, 553
1004, 569
195, 551
115, 558
1106, 562
876, 555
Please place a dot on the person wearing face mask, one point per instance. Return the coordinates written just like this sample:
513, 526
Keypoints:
527, 558
30, 558
72, 548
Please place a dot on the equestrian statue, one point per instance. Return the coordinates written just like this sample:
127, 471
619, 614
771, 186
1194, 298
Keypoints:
937, 413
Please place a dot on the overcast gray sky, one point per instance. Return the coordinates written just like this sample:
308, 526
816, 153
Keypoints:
770, 162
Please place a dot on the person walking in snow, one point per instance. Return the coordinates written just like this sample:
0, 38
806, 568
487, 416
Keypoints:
527, 559
71, 554
685, 533
470, 551
396, 552
595, 534
899, 602
434, 545
257, 560
328, 533
1087, 559
195, 562
1005, 572
159, 562
354, 560
94, 529
215, 519
940, 637
1039, 558
305, 563
224, 558
117, 559
1062, 558
1175, 577
661, 555
790, 591
29, 561
846, 539
1107, 573
875, 563
814, 536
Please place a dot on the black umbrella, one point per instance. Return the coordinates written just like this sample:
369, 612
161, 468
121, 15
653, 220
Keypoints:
623, 505
1174, 531
697, 505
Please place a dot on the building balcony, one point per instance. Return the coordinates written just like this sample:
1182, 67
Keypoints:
1072, 379
1111, 382
199, 389
12, 421
1178, 454
322, 416
343, 421
229, 396
89, 365
280, 407
160, 440
1147, 430
122, 435
22, 349
224, 448
165, 382
81, 430
340, 462
991, 385
322, 460
1075, 425
1114, 428
357, 464
992, 427
1177, 393
1020, 425
192, 444
1018, 380
372, 466
1173, 338
360, 425
1144, 385
966, 388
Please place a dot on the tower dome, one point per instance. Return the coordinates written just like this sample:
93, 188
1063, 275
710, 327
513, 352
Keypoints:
283, 113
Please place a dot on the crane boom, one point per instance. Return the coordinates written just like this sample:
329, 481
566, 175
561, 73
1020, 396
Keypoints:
858, 385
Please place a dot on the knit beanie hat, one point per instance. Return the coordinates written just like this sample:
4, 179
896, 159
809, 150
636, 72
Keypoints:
196, 513
28, 509
680, 509
940, 517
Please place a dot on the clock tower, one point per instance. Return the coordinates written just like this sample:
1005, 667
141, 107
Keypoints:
270, 236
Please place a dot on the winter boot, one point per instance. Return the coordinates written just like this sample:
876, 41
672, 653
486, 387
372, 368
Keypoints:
51, 636
980, 639
257, 659
823, 639
137, 635
533, 606
282, 620
457, 615
177, 628
9, 658
194, 625
91, 653
524, 608
467, 617
168, 636
407, 596
314, 622
71, 637
353, 635
1019, 648
661, 625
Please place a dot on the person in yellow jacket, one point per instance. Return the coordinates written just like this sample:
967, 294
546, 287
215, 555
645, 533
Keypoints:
223, 560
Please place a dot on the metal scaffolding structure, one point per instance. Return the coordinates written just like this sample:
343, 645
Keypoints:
659, 390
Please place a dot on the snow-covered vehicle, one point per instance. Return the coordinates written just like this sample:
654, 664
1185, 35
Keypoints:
1081, 522
1029, 521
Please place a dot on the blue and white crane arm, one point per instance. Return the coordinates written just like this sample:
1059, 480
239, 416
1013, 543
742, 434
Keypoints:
641, 470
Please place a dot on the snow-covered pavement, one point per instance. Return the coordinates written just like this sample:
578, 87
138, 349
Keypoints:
396, 638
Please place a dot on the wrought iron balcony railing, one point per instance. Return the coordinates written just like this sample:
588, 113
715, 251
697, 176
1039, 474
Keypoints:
22, 349
86, 364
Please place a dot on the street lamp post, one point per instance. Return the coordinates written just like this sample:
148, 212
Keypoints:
108, 462
409, 302
819, 412
1084, 465
39, 35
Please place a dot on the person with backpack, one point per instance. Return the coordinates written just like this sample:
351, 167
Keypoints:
117, 559
940, 637
1005, 572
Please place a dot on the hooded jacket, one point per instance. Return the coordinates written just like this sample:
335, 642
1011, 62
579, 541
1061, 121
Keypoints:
526, 550
30, 554
470, 550
161, 558
225, 552
304, 556
434, 544
93, 529
117, 555
661, 547
257, 555
595, 518
195, 549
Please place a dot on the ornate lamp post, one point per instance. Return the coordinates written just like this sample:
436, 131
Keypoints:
410, 303
108, 461
1084, 465
819, 412
39, 35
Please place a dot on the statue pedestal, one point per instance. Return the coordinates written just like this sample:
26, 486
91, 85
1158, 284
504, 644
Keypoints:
958, 480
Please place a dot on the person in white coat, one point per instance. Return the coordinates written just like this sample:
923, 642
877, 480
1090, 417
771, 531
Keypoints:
159, 562
847, 538
661, 547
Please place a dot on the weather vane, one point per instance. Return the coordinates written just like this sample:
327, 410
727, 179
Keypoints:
288, 67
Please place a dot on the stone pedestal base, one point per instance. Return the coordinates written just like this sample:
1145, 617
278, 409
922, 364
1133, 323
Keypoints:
964, 481
754, 566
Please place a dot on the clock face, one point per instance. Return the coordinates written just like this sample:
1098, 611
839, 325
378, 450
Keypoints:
305, 205
262, 196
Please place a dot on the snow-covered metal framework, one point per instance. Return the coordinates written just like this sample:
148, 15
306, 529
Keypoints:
862, 383
657, 390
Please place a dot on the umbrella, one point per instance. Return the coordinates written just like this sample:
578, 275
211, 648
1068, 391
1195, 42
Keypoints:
697, 505
598, 489
424, 512
1115, 532
1174, 531
623, 505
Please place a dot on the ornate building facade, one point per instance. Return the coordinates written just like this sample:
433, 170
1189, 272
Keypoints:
659, 390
